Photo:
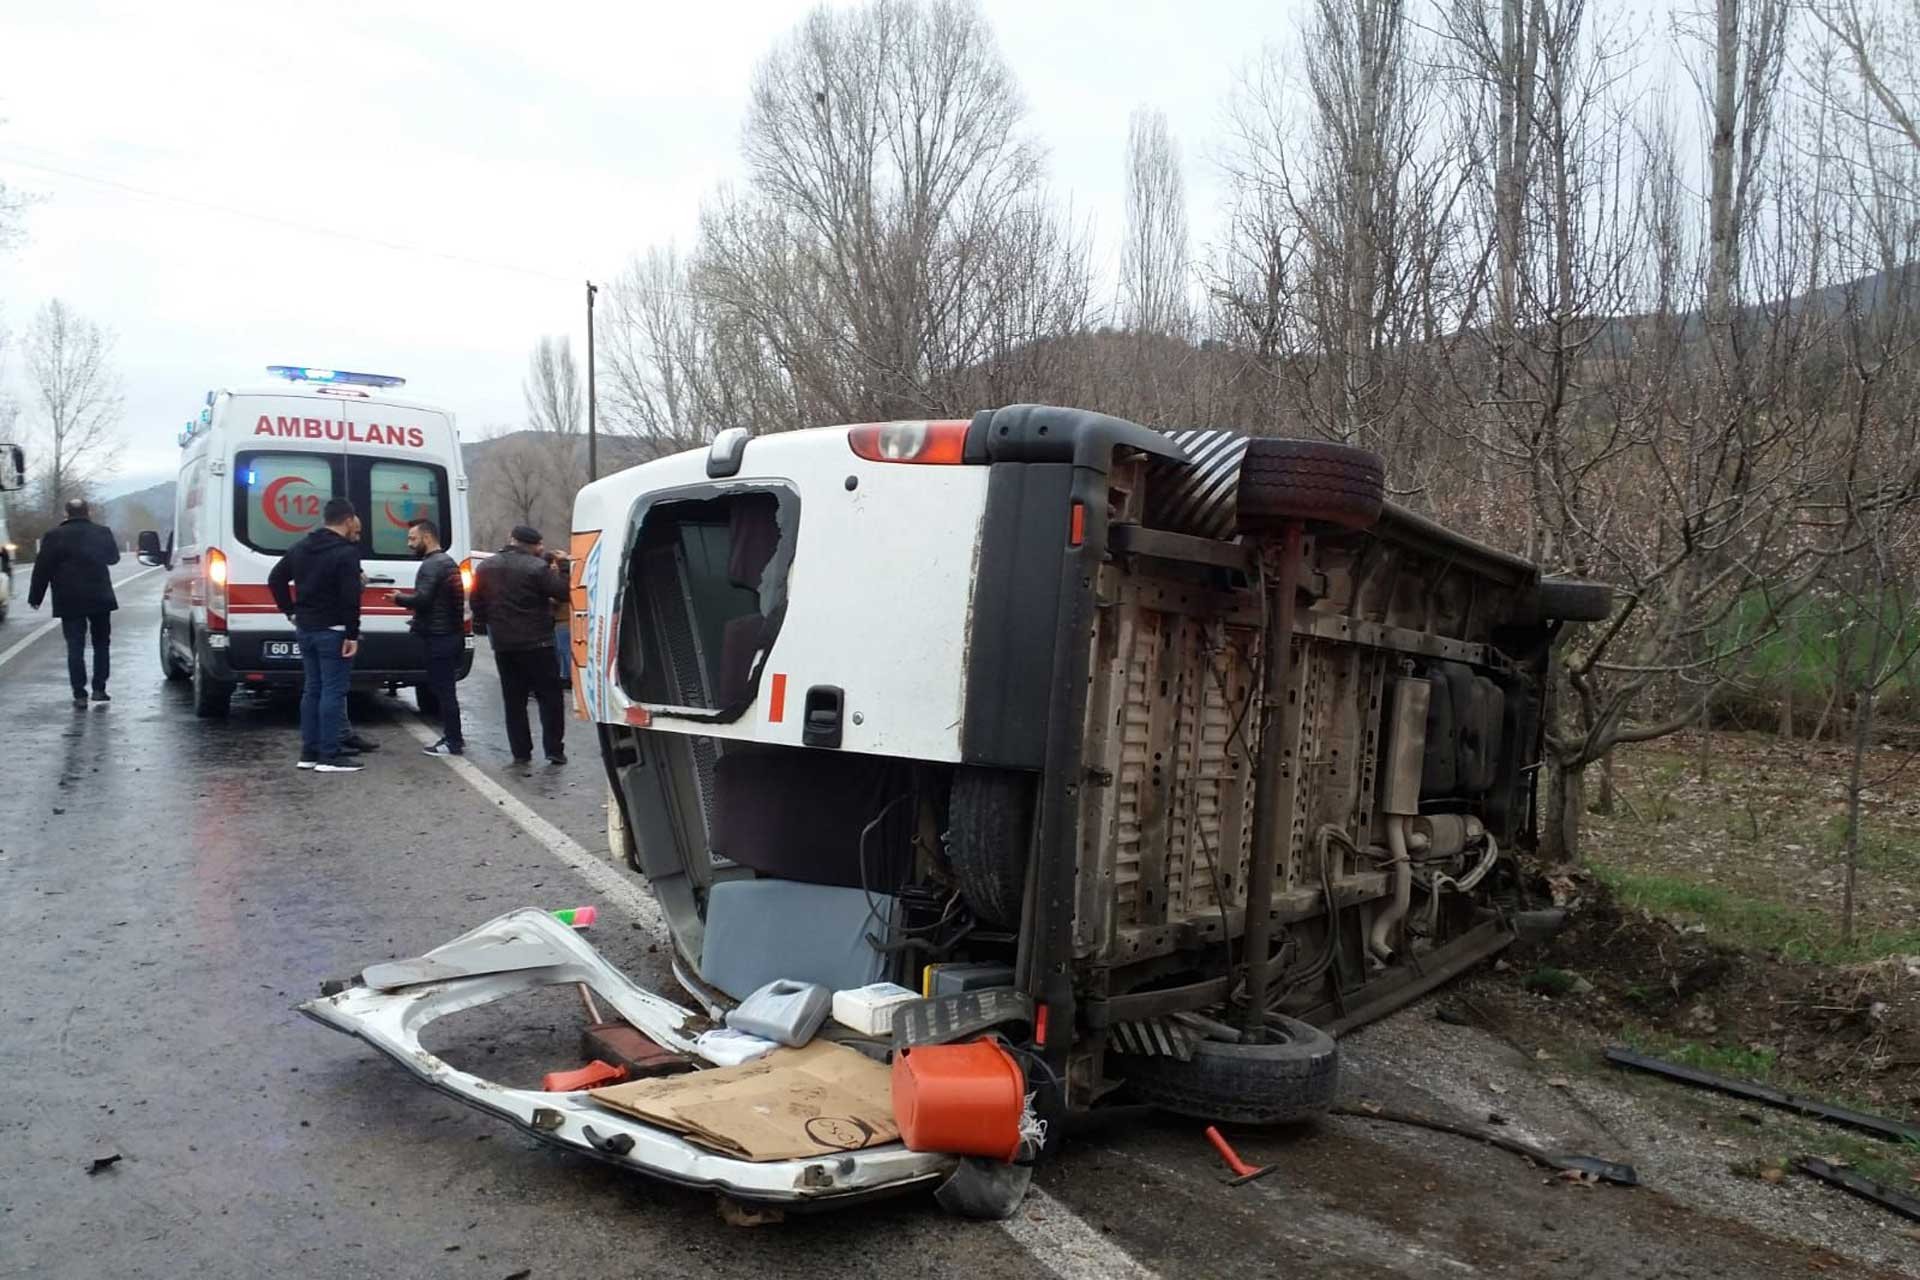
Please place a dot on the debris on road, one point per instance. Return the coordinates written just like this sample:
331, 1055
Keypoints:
1866, 1122
1242, 1171
1866, 1188
1582, 1168
101, 1164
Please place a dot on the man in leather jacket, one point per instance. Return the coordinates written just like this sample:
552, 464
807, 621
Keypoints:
514, 593
438, 601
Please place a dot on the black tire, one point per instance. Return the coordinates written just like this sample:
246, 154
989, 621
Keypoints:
989, 830
170, 666
1571, 600
426, 701
211, 697
1336, 484
1280, 1082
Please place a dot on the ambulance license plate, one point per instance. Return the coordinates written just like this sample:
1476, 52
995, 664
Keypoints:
283, 648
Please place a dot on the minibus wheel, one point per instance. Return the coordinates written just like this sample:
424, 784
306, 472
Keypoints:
1286, 480
1287, 1078
989, 828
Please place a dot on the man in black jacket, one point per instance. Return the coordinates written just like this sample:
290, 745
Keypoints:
73, 560
438, 601
513, 598
323, 571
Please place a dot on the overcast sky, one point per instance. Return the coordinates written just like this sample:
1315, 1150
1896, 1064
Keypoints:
558, 138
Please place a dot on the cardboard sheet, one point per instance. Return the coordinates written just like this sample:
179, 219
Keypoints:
791, 1104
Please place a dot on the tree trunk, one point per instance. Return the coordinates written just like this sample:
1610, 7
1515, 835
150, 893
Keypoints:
1705, 763
1604, 804
1862, 736
1786, 708
1566, 795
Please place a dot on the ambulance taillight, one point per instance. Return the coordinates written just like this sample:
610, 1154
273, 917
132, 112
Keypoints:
216, 589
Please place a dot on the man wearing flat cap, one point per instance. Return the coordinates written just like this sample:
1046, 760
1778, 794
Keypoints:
513, 598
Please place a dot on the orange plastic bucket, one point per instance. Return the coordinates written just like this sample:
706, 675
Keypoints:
959, 1099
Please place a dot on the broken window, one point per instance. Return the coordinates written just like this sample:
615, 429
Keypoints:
707, 595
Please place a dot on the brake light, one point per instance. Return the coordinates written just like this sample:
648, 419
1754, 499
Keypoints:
466, 597
216, 590
939, 443
466, 577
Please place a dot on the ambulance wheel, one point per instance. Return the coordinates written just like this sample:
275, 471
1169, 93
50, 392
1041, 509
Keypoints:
1283, 480
1288, 1078
989, 827
170, 667
427, 701
211, 697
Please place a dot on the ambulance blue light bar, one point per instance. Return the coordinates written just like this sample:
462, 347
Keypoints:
299, 373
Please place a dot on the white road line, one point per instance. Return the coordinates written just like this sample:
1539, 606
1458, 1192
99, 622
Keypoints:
54, 624
599, 872
1062, 1242
1053, 1234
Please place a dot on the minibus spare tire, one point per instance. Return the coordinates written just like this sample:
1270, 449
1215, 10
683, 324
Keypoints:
1311, 480
1288, 1078
989, 827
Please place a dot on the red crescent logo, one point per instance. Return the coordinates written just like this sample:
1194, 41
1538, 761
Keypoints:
410, 506
270, 498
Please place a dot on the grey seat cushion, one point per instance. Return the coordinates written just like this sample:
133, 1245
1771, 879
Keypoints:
760, 930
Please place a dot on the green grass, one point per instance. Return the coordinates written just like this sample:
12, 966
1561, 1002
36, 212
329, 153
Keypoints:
1880, 849
1738, 1061
1748, 923
1801, 649
1783, 1134
1549, 981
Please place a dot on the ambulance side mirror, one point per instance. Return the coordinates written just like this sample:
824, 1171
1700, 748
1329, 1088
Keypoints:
150, 552
13, 467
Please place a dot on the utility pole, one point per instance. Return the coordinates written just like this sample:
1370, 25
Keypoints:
593, 436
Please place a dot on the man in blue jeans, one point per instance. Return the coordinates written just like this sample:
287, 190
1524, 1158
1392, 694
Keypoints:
323, 572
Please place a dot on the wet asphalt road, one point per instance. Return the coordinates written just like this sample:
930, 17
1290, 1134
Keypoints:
170, 888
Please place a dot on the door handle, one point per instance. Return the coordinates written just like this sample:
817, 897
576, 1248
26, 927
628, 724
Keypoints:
823, 708
380, 578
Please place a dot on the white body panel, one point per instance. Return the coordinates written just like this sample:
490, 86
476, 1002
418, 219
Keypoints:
878, 597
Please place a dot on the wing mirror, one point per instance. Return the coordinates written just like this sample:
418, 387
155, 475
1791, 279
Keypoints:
151, 552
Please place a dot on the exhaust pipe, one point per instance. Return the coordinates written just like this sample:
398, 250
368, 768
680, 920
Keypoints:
1387, 921
1400, 801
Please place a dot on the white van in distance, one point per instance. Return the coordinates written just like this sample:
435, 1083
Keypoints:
256, 469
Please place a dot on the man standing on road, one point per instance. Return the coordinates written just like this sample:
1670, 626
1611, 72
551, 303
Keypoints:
73, 560
438, 601
513, 599
323, 570
562, 619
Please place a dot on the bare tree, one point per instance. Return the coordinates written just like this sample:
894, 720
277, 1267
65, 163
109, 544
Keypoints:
1884, 48
556, 400
885, 169
75, 396
1154, 260
1342, 204
523, 477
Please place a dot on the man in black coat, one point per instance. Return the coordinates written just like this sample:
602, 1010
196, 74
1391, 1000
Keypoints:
513, 597
73, 561
439, 604
317, 585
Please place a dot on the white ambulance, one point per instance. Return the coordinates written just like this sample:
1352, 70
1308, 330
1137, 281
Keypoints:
256, 469
13, 475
